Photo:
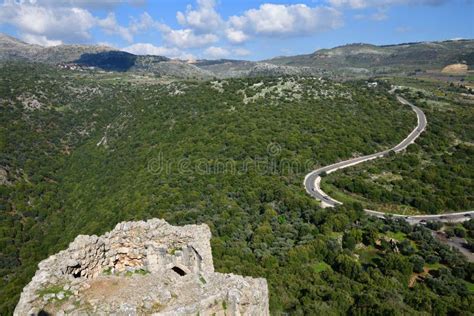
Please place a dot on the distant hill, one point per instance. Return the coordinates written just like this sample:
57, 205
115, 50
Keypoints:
228, 68
11, 48
103, 57
371, 59
353, 60
14, 49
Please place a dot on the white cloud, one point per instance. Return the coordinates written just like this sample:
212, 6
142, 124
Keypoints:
216, 52
49, 24
203, 20
180, 38
75, 24
60, 23
145, 22
53, 22
361, 4
150, 49
284, 20
111, 26
236, 36
203, 25
186, 38
39, 40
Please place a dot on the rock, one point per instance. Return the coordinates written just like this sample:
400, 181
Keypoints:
72, 262
142, 268
48, 297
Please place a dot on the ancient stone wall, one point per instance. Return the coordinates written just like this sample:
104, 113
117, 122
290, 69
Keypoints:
175, 263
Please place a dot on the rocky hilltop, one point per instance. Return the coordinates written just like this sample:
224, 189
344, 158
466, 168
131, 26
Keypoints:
368, 60
14, 49
141, 268
347, 61
101, 57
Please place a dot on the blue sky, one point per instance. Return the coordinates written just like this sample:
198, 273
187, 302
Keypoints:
244, 29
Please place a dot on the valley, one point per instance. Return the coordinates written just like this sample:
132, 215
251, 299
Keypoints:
91, 136
84, 151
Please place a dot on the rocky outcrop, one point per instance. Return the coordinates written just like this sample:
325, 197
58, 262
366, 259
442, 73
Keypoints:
141, 268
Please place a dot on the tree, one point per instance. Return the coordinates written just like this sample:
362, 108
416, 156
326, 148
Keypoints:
396, 262
434, 225
418, 263
460, 232
347, 266
348, 241
370, 236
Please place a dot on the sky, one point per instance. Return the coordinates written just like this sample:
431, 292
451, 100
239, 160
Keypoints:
237, 29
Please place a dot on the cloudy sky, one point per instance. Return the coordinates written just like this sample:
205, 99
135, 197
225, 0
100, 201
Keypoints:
243, 29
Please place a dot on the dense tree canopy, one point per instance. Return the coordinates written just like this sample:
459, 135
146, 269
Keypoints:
83, 151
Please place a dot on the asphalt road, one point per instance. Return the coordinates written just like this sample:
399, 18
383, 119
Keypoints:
313, 179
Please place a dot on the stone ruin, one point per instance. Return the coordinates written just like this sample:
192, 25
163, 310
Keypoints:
141, 268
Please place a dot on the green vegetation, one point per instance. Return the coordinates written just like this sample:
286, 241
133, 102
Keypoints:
102, 150
399, 236
172, 251
51, 290
55, 290
130, 273
469, 235
367, 254
434, 175
470, 287
107, 271
321, 266
434, 266
141, 272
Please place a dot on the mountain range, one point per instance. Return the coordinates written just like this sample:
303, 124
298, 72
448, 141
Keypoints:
352, 60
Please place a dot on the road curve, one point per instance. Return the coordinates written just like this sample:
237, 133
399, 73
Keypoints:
313, 179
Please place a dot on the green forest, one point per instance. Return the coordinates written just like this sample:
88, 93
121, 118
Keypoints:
82, 151
434, 175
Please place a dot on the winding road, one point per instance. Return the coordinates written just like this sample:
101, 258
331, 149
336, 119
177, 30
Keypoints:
312, 180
